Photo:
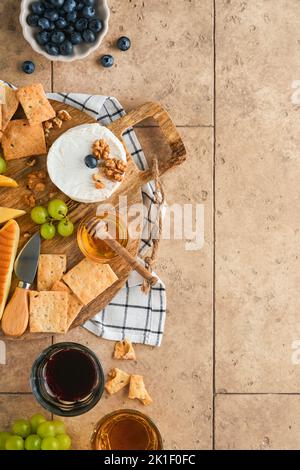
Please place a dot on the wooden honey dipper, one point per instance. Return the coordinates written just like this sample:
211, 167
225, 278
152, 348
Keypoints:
100, 230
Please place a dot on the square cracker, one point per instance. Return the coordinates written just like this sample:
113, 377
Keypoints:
22, 140
117, 379
74, 304
10, 105
88, 280
35, 104
51, 269
48, 312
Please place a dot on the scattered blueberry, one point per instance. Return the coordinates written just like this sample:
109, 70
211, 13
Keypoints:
80, 5
32, 20
57, 3
71, 17
88, 12
28, 67
81, 24
89, 3
107, 61
58, 37
37, 8
69, 5
44, 23
61, 23
51, 15
66, 48
43, 37
95, 25
88, 36
124, 43
75, 38
51, 49
91, 161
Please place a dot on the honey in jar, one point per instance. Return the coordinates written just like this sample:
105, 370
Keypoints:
126, 430
95, 248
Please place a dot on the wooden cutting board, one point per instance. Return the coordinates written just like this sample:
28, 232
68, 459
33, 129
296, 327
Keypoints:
131, 187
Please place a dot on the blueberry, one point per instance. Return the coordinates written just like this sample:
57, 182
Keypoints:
28, 67
58, 37
51, 49
107, 61
69, 5
71, 17
69, 29
51, 15
88, 36
75, 38
88, 12
80, 5
124, 43
89, 3
66, 48
37, 8
91, 161
81, 24
44, 23
95, 25
32, 20
43, 37
57, 3
51, 26
61, 23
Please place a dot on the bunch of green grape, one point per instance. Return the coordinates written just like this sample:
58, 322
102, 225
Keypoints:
3, 166
57, 210
36, 434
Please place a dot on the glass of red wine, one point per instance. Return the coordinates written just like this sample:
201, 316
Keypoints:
67, 379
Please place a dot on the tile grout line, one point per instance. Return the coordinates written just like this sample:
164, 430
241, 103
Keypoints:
214, 236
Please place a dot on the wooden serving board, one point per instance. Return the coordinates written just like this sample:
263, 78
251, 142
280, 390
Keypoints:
131, 187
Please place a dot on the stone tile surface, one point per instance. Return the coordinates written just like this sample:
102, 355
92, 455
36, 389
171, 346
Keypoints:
20, 355
170, 60
179, 373
257, 422
257, 174
14, 50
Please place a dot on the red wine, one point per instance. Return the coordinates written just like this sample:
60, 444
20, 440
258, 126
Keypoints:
71, 375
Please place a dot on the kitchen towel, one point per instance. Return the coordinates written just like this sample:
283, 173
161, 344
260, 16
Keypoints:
132, 314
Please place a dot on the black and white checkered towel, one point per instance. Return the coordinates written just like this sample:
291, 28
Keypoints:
132, 314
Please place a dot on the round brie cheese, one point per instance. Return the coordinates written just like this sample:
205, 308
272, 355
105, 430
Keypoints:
67, 169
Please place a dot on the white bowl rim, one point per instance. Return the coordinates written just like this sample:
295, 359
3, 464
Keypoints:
30, 39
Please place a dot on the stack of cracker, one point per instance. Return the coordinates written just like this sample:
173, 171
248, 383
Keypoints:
60, 297
24, 137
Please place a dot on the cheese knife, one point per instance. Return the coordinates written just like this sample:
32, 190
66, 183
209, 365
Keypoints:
16, 314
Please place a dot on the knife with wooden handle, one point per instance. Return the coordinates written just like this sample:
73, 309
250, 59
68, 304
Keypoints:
16, 314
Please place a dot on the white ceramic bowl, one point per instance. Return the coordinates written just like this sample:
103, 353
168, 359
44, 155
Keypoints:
82, 50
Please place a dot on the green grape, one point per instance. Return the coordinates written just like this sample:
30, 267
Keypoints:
14, 443
57, 209
39, 215
33, 442
46, 429
36, 420
3, 438
3, 166
50, 443
64, 441
65, 228
21, 427
59, 427
48, 231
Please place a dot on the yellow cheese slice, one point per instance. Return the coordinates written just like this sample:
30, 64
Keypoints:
7, 182
7, 214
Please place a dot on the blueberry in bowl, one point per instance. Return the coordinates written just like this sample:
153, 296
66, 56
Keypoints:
64, 30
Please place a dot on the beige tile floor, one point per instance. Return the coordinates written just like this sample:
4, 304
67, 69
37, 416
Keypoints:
224, 377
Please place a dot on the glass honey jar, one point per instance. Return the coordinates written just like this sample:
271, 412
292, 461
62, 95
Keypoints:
95, 248
126, 430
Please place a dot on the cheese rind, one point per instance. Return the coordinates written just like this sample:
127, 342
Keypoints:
9, 240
